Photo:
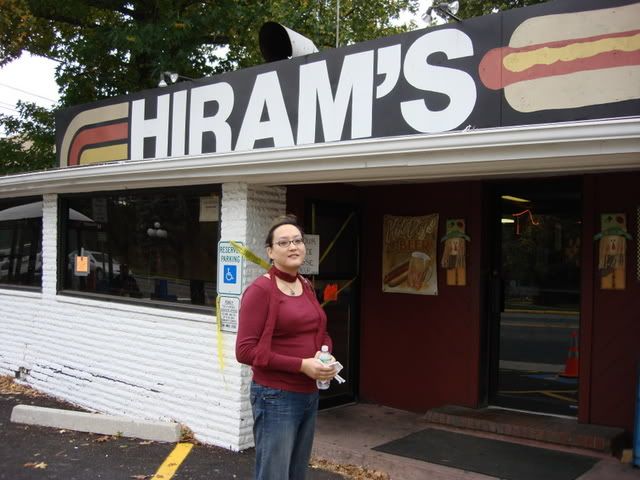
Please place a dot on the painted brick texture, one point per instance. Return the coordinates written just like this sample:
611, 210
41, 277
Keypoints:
139, 361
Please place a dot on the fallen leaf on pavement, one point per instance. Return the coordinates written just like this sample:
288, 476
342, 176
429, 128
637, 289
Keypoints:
39, 465
352, 472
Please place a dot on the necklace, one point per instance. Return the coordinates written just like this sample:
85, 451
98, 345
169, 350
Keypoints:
289, 287
285, 279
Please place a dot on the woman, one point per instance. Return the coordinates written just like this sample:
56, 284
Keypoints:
281, 329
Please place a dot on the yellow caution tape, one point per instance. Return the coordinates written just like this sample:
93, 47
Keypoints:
344, 225
249, 255
219, 335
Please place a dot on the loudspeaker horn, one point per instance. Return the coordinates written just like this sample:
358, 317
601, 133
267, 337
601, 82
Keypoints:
278, 42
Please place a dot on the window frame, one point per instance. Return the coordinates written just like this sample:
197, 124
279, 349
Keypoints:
63, 208
24, 201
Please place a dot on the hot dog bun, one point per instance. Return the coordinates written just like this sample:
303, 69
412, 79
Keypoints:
568, 60
397, 274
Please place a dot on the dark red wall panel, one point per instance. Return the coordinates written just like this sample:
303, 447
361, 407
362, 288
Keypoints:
615, 348
418, 351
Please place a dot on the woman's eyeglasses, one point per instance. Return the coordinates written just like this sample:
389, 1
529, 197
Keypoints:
285, 243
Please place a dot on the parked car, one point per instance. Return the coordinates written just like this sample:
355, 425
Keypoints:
98, 262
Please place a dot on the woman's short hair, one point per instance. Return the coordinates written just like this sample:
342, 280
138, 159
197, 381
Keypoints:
288, 219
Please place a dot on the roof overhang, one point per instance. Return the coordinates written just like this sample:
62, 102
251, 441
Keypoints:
560, 148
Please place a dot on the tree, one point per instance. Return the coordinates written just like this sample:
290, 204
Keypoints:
114, 47
30, 139
477, 8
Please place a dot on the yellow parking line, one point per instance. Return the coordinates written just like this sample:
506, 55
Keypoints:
173, 461
560, 397
537, 391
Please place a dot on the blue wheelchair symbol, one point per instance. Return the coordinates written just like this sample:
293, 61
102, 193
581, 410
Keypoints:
229, 274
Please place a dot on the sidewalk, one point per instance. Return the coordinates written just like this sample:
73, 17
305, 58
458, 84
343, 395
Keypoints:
347, 434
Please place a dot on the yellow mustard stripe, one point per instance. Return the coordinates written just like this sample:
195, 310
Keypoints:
545, 312
537, 391
520, 61
104, 154
173, 462
535, 325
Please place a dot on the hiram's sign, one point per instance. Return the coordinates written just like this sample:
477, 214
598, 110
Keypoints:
560, 61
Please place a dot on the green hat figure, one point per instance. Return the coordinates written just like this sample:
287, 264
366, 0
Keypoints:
612, 252
613, 224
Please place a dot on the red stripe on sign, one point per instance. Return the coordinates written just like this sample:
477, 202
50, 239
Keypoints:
94, 136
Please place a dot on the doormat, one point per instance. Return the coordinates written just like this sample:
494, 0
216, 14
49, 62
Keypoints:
491, 457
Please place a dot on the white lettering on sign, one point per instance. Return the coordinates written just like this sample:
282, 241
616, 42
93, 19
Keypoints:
179, 124
230, 269
222, 94
266, 94
157, 128
355, 84
456, 84
209, 107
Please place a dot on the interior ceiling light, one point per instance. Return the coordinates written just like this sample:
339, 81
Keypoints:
507, 220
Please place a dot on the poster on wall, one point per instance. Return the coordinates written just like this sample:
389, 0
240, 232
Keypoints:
409, 254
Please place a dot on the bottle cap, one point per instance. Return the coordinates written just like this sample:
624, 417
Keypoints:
324, 348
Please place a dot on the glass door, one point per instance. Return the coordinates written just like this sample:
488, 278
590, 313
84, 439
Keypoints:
537, 297
337, 285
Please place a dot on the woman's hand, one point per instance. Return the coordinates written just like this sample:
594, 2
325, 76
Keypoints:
317, 370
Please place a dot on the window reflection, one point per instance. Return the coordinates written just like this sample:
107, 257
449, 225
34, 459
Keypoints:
156, 246
21, 242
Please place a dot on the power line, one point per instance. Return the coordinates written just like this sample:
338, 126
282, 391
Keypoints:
8, 108
28, 93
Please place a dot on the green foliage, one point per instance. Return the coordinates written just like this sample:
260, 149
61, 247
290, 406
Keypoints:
115, 47
29, 141
477, 8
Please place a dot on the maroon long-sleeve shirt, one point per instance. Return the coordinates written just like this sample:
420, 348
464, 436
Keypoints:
293, 338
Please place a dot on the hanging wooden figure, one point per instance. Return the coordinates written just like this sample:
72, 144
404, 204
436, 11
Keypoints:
612, 252
454, 254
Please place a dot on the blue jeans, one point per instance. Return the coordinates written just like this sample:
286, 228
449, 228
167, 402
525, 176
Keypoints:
283, 427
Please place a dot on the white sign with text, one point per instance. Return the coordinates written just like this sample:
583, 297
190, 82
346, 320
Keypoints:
311, 265
228, 314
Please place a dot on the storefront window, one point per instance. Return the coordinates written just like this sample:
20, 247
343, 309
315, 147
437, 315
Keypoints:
21, 242
153, 246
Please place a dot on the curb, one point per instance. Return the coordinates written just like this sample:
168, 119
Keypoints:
96, 423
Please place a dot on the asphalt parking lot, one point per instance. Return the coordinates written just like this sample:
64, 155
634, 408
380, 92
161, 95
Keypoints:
29, 452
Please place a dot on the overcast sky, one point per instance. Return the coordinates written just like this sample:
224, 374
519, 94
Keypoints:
31, 78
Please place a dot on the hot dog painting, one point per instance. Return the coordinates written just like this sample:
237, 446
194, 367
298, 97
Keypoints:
558, 61
408, 254
568, 60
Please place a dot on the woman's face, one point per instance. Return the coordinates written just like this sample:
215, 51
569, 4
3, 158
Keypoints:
287, 258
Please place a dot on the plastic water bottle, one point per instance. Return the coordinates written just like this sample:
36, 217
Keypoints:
325, 357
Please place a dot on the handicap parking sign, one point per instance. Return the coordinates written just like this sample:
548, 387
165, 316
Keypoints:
230, 273
230, 264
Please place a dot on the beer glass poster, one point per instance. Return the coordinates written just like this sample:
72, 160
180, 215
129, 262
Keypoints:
409, 254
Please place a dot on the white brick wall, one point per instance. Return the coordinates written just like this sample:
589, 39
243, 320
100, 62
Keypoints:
247, 212
134, 360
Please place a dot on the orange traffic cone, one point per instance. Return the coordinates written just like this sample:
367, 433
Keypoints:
571, 365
